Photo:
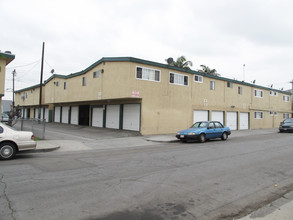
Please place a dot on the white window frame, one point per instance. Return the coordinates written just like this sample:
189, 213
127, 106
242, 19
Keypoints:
65, 85
276, 113
212, 85
178, 75
273, 93
286, 98
96, 74
25, 95
286, 115
83, 81
229, 84
258, 93
240, 90
148, 74
200, 79
57, 83
258, 115
272, 113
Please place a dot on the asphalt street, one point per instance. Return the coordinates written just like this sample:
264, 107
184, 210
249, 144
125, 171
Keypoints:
149, 180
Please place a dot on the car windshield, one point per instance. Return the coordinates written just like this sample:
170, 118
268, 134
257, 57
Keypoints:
199, 125
289, 120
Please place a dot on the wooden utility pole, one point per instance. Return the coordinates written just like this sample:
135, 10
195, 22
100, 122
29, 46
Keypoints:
292, 94
41, 82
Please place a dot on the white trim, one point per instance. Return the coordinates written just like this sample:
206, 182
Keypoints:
286, 98
199, 77
257, 95
261, 115
179, 74
148, 69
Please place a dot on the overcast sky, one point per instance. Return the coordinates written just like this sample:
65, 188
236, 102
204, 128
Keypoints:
222, 34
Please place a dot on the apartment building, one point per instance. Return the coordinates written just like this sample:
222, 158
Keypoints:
153, 98
5, 58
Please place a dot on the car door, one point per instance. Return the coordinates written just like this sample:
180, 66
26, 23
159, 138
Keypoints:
210, 133
219, 129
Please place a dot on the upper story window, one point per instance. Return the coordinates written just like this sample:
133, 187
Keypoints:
65, 85
286, 115
258, 93
212, 85
198, 79
57, 83
96, 74
286, 98
84, 81
178, 79
239, 90
273, 93
25, 95
258, 115
229, 84
148, 74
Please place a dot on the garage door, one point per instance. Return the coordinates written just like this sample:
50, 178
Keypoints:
98, 115
57, 114
218, 116
74, 115
65, 114
232, 120
112, 116
131, 117
244, 121
200, 115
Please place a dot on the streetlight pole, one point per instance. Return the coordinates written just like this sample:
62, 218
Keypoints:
41, 82
13, 74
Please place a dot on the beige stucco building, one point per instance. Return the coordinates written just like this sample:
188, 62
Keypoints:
5, 59
153, 98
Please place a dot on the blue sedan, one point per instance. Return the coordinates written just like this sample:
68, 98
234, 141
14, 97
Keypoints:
204, 130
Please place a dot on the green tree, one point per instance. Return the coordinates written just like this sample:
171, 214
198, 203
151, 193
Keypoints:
181, 62
205, 69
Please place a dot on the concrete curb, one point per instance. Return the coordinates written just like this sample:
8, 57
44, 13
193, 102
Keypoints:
41, 150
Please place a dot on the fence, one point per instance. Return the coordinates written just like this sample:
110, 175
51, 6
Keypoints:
34, 125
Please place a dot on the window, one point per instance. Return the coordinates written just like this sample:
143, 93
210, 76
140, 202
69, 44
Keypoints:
25, 95
178, 79
239, 90
229, 84
57, 83
198, 79
286, 98
273, 93
258, 93
65, 85
286, 115
212, 85
218, 125
258, 115
84, 81
96, 74
271, 113
148, 74
276, 113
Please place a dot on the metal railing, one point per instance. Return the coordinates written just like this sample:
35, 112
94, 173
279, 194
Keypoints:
37, 126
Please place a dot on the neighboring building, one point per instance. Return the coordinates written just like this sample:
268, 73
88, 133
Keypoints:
5, 59
153, 98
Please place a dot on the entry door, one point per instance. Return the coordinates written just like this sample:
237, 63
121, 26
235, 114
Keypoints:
232, 120
131, 117
98, 115
244, 120
200, 115
112, 116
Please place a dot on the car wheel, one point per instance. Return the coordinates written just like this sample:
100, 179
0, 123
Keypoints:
7, 151
224, 136
202, 138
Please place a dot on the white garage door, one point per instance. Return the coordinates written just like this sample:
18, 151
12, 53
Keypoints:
218, 116
131, 117
244, 121
232, 120
65, 114
200, 115
98, 115
57, 114
74, 115
112, 116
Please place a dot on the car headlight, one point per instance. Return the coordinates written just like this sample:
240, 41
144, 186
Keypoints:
191, 133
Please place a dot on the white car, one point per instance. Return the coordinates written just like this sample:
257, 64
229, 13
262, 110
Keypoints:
13, 141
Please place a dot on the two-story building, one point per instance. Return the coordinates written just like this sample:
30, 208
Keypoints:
153, 98
5, 59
